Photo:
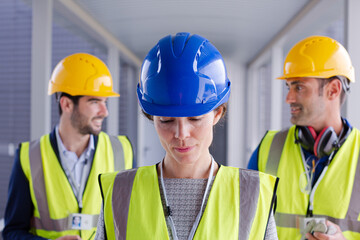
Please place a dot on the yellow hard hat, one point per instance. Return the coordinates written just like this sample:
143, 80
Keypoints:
82, 74
318, 57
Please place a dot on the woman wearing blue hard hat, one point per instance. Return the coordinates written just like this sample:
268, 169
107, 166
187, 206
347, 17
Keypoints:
184, 89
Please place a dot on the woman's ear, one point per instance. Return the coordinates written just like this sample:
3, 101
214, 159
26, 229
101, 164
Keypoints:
218, 113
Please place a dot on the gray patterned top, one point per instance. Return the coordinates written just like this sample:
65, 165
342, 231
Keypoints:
185, 197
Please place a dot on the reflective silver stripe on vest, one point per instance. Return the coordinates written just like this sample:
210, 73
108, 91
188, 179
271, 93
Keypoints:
275, 152
350, 223
123, 185
290, 220
119, 160
354, 205
37, 175
249, 195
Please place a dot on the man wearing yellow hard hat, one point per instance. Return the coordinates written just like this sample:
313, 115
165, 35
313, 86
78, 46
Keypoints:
317, 158
53, 190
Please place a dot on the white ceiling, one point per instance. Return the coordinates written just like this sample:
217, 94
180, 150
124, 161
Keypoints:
238, 28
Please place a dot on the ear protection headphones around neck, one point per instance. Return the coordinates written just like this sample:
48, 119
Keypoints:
323, 144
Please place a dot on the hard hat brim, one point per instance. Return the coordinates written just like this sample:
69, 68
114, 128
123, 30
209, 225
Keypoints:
53, 88
181, 110
329, 74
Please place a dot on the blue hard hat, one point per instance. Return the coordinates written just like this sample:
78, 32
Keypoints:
183, 76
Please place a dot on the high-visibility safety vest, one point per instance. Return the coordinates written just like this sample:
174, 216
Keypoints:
337, 197
51, 192
238, 206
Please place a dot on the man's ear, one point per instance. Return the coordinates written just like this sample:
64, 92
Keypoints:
66, 104
333, 89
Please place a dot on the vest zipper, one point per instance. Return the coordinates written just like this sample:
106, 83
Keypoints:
80, 209
309, 212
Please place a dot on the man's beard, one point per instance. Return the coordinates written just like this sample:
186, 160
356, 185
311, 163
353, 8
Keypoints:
297, 119
79, 122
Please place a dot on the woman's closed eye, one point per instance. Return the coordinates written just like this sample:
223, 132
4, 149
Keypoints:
166, 120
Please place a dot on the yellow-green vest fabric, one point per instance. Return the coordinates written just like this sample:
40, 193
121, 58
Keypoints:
238, 206
51, 192
337, 196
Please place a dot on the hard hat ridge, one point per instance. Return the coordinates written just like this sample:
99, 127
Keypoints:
179, 42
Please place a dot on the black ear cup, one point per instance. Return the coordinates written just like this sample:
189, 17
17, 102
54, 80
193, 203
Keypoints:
326, 142
306, 137
322, 145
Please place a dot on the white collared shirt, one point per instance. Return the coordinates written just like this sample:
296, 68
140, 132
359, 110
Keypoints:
77, 169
